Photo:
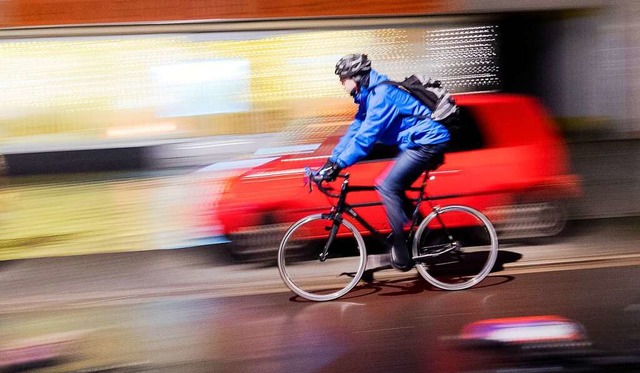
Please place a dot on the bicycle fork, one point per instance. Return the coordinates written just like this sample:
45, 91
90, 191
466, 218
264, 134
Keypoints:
332, 235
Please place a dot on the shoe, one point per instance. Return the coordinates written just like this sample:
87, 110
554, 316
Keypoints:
400, 258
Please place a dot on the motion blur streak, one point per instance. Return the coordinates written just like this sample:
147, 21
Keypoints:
122, 143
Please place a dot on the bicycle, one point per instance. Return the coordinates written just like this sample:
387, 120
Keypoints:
454, 247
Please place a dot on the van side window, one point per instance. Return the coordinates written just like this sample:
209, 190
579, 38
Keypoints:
466, 134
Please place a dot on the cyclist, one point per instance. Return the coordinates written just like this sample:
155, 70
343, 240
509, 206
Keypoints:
392, 116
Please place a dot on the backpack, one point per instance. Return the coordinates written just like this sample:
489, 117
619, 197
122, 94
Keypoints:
432, 94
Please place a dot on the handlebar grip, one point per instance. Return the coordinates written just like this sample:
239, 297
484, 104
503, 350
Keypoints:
318, 180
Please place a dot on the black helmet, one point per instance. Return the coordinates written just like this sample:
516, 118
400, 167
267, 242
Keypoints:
352, 65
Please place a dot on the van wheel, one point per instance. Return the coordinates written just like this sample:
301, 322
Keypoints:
258, 244
529, 220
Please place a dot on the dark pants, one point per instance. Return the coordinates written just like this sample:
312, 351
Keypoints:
409, 165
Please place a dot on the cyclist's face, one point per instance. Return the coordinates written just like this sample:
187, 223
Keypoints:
349, 85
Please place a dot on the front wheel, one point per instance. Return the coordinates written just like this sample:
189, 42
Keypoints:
304, 268
455, 247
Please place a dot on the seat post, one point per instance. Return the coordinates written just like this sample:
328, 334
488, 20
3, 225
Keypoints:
424, 180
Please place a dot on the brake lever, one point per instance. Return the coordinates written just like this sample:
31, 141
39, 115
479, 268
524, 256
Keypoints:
308, 175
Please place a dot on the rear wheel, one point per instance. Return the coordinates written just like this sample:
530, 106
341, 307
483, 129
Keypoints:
455, 247
309, 275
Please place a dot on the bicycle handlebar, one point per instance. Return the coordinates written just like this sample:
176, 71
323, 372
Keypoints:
312, 176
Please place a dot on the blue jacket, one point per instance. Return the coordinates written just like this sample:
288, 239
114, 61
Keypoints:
386, 114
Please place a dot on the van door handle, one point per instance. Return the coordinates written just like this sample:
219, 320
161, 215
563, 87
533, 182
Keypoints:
444, 172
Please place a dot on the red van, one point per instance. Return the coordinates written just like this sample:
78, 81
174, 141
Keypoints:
507, 159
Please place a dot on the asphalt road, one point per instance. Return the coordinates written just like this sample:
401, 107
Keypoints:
205, 271
399, 324
190, 310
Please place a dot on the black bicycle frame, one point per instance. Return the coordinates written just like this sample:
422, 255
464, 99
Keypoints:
342, 207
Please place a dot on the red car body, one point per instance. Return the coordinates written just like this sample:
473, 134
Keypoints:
509, 161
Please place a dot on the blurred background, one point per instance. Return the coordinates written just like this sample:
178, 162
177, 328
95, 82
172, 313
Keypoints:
119, 121
99, 107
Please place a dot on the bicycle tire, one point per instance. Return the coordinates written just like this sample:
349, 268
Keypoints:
305, 274
472, 255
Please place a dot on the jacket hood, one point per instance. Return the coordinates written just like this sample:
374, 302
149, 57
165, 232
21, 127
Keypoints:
376, 78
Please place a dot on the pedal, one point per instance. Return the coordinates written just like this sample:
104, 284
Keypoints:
435, 251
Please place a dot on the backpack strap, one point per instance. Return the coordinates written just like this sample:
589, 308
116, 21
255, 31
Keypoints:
393, 83
399, 86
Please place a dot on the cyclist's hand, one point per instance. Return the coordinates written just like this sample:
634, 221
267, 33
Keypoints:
329, 171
